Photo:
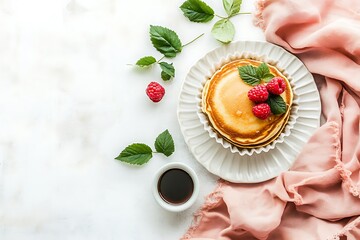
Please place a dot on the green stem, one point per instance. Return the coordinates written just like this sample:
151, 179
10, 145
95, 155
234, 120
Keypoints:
193, 40
228, 17
241, 13
160, 59
221, 16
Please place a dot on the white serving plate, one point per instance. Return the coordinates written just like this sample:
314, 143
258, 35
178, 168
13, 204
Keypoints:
257, 166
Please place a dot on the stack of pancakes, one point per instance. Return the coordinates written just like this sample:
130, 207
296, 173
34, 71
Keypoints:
229, 110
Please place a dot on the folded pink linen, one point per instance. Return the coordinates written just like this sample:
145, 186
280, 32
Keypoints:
318, 198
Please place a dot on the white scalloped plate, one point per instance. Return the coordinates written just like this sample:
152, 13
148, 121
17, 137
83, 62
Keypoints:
255, 167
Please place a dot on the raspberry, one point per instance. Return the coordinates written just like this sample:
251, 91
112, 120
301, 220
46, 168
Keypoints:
258, 94
276, 86
261, 111
155, 91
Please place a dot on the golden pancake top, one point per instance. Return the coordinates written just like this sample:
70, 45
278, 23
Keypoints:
225, 102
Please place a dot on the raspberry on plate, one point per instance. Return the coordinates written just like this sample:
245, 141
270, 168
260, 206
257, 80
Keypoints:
258, 94
276, 86
261, 111
155, 91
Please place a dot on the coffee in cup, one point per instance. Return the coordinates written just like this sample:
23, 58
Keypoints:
176, 187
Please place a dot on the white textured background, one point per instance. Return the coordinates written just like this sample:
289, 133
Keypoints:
69, 104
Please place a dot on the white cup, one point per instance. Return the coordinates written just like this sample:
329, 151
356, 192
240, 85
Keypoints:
175, 207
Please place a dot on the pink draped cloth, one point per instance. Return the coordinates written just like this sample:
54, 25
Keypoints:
318, 198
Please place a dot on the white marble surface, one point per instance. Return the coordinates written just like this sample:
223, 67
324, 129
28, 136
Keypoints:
69, 104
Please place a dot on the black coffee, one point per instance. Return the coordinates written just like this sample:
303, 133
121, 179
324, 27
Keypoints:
175, 186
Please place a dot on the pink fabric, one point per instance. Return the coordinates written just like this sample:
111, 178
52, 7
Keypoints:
319, 197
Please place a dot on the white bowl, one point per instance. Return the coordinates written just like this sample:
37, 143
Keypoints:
177, 207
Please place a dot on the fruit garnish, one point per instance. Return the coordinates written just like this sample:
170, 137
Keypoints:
261, 111
155, 91
258, 94
276, 86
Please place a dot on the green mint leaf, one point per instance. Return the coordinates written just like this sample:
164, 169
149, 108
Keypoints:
164, 143
232, 7
168, 71
197, 11
263, 72
223, 30
165, 41
165, 76
253, 75
136, 154
146, 61
277, 104
267, 77
248, 75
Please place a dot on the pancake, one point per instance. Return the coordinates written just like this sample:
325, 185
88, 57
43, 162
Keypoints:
263, 143
229, 110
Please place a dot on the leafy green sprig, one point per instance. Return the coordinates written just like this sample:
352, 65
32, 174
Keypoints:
254, 75
223, 30
167, 42
140, 153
